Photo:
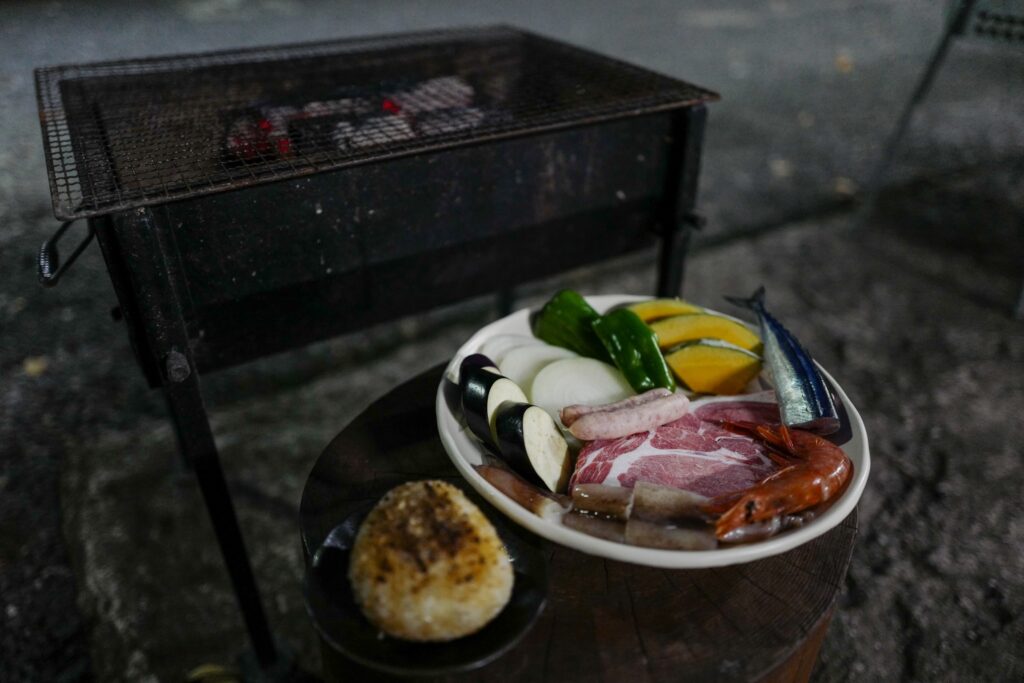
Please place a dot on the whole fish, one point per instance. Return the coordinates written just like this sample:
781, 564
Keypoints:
804, 399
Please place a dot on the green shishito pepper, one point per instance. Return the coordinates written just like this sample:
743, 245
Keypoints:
633, 347
566, 321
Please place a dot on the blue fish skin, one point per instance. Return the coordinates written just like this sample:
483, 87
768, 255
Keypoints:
804, 399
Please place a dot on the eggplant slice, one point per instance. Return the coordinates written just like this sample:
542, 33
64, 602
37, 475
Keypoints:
483, 390
533, 445
452, 381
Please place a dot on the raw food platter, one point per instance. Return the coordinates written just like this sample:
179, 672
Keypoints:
466, 453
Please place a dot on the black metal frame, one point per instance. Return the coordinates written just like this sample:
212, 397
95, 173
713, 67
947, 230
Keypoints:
457, 211
986, 24
143, 132
954, 26
680, 217
148, 261
145, 265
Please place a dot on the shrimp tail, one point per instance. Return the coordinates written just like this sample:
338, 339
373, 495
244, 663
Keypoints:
777, 437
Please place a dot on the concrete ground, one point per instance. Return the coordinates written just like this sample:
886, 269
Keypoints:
108, 569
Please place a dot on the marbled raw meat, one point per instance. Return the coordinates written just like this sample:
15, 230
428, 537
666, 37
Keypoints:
759, 408
693, 453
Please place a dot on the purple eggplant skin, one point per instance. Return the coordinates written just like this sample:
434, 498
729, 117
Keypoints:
479, 385
477, 360
511, 441
541, 457
450, 387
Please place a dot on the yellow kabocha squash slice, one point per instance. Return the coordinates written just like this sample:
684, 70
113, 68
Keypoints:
656, 309
710, 366
680, 329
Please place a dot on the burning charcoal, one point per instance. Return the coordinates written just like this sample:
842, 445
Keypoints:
262, 134
277, 134
449, 121
312, 134
278, 117
344, 107
342, 135
257, 137
381, 130
281, 131
437, 93
244, 139
311, 109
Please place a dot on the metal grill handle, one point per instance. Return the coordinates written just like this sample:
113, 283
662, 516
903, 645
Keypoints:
50, 267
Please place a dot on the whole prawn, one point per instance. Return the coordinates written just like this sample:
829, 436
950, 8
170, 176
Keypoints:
813, 471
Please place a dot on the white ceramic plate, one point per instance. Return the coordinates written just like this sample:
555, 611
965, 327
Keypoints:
465, 452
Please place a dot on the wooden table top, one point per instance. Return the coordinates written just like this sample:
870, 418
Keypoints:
605, 620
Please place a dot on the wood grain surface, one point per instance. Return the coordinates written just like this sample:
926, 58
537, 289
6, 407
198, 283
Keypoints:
605, 620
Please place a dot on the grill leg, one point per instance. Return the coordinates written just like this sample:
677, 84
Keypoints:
675, 242
151, 263
678, 218
197, 446
1019, 313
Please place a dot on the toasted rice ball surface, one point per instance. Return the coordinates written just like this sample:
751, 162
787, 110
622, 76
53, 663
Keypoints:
428, 565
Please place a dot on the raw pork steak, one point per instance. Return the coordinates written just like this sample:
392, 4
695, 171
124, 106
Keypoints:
692, 453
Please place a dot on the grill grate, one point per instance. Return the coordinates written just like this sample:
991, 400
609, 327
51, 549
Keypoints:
120, 135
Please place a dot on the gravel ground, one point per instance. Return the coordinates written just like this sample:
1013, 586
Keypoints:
101, 535
935, 588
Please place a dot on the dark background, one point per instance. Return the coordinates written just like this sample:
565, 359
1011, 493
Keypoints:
108, 568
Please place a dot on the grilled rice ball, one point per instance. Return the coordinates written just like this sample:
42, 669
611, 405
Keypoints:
427, 565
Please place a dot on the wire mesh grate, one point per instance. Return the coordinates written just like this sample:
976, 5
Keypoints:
125, 134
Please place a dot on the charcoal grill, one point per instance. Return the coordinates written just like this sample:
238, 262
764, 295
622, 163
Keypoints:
250, 201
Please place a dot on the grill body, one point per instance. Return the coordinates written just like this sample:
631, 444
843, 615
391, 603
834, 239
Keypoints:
305, 191
344, 249
237, 219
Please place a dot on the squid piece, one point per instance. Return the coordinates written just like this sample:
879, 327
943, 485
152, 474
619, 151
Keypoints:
609, 501
601, 527
656, 503
652, 535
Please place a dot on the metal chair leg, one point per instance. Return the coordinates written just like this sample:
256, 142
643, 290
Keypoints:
954, 27
1019, 313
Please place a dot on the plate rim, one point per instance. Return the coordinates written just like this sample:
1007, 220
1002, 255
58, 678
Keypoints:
448, 428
